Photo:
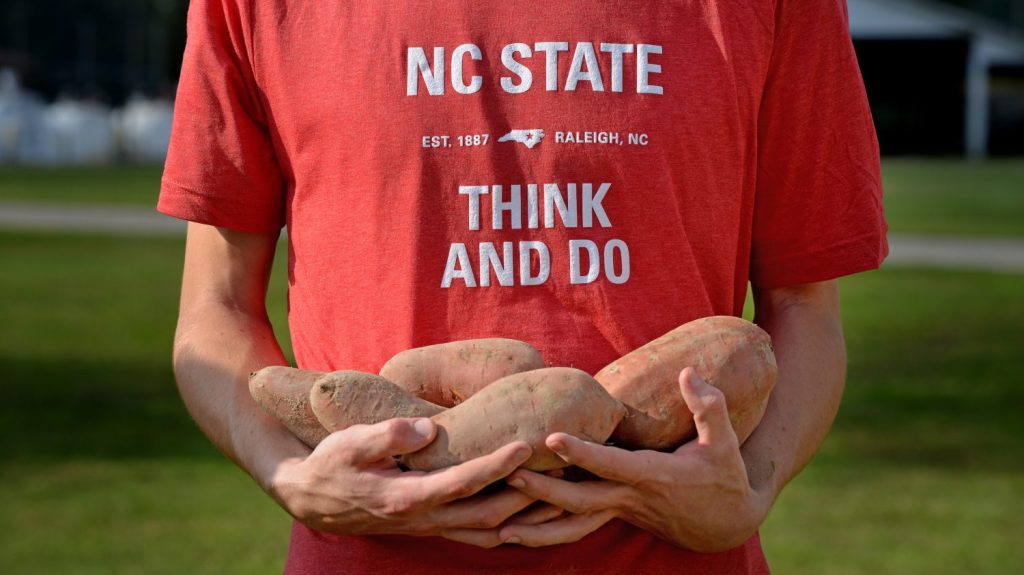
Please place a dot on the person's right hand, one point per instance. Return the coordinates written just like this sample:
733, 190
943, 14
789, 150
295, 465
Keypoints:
351, 485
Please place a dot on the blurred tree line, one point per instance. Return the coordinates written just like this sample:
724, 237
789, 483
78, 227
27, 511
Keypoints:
107, 49
1007, 11
103, 49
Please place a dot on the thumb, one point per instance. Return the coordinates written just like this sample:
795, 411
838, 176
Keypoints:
389, 438
707, 403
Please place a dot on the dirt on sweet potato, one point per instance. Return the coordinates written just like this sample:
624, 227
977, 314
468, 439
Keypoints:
528, 407
727, 352
447, 374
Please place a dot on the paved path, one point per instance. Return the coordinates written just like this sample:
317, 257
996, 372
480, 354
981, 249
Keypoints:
114, 220
991, 254
1006, 255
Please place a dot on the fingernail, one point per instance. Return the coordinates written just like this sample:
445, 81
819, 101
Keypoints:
557, 446
423, 427
517, 482
514, 540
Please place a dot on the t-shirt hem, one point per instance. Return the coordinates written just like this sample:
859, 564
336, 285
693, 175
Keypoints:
859, 254
185, 203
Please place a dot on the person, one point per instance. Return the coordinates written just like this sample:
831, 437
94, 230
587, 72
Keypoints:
583, 176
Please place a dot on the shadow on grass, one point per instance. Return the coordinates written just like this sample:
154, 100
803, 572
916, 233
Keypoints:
939, 428
76, 409
935, 371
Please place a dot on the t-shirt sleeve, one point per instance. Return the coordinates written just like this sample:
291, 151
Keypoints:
818, 206
221, 167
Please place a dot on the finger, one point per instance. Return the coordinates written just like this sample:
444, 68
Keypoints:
486, 538
710, 413
368, 443
466, 479
537, 515
568, 530
602, 460
573, 497
483, 512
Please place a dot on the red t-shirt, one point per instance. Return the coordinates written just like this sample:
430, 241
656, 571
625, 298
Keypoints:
580, 175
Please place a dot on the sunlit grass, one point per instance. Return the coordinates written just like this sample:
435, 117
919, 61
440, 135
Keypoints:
955, 196
121, 185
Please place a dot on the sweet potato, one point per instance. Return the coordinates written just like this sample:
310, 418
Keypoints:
729, 353
448, 373
521, 407
343, 398
284, 393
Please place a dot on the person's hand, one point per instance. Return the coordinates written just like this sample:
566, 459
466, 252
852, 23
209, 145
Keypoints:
698, 497
350, 484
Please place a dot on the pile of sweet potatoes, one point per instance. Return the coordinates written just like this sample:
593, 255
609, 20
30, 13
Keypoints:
485, 393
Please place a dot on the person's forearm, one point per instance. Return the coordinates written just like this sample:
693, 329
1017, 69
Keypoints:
216, 348
808, 339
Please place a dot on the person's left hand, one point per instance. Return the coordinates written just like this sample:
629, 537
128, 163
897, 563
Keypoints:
698, 497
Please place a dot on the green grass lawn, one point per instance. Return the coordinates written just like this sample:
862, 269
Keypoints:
955, 197
921, 196
924, 470
121, 185
105, 473
103, 470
